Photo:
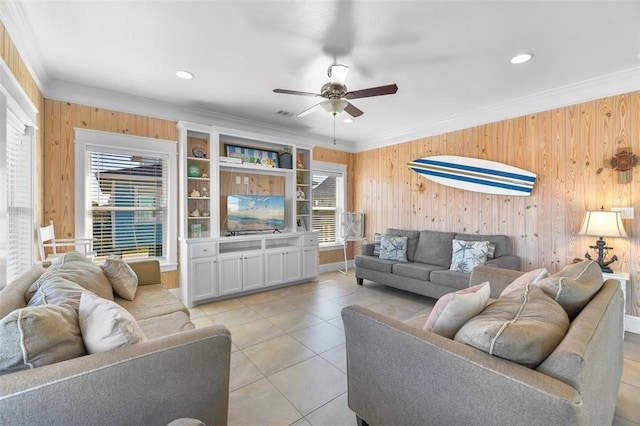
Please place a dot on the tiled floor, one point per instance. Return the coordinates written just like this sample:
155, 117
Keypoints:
288, 363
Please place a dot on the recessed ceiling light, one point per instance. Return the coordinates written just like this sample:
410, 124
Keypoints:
522, 58
185, 75
348, 120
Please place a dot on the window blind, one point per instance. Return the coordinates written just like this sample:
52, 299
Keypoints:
127, 200
20, 231
326, 205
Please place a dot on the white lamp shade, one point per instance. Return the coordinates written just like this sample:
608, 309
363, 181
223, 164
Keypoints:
600, 223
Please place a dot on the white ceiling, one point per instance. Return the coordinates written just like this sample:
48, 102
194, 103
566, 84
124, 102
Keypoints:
450, 59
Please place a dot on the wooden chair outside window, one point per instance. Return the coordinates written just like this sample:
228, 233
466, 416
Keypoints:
49, 243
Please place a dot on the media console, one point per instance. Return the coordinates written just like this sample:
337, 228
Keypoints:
215, 260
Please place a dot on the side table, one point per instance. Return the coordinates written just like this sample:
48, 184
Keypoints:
623, 279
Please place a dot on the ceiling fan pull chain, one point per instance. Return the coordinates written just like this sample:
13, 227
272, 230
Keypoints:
334, 129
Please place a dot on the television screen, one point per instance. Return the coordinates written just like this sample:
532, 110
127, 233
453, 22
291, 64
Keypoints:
255, 212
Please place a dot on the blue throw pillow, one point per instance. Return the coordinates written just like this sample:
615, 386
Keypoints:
393, 247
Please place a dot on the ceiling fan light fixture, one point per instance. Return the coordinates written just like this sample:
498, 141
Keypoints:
521, 58
183, 74
334, 106
338, 74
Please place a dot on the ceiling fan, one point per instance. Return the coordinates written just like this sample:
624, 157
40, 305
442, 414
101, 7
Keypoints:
337, 96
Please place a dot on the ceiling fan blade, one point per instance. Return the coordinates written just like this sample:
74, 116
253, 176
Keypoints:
373, 91
295, 92
352, 110
338, 74
309, 110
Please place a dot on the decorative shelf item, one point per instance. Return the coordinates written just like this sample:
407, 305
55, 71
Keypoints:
198, 152
193, 171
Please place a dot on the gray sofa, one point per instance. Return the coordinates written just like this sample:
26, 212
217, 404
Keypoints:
429, 257
398, 374
179, 372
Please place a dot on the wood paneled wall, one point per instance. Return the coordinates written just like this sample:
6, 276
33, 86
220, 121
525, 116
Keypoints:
567, 148
60, 120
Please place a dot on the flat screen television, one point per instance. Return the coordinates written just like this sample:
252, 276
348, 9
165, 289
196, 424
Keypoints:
255, 213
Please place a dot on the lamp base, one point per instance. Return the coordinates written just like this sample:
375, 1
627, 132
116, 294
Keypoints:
601, 248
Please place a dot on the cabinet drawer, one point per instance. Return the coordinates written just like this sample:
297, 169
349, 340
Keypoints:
310, 240
203, 250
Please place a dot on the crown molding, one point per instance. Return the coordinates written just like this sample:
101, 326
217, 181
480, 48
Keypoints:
617, 83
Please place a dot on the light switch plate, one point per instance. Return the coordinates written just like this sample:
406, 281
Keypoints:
625, 212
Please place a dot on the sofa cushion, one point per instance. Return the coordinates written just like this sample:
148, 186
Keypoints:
415, 270
525, 279
502, 242
393, 247
105, 325
574, 286
374, 263
122, 278
434, 248
165, 325
39, 335
55, 290
412, 240
450, 279
152, 301
467, 254
77, 268
452, 310
524, 326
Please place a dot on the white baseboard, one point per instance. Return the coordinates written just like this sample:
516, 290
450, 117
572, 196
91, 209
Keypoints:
632, 324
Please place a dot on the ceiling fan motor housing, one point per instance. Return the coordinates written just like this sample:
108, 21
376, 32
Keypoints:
333, 91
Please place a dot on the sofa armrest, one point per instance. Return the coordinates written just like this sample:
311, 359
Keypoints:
508, 261
398, 374
499, 278
367, 249
183, 375
148, 271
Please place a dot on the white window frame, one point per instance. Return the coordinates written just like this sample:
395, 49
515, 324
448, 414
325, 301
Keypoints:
14, 99
341, 198
95, 140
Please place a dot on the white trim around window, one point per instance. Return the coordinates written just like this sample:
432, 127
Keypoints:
335, 169
92, 141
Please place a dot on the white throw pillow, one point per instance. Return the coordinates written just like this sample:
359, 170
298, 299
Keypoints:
105, 325
525, 279
467, 254
453, 310
123, 280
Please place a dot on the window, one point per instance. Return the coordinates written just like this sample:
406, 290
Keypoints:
17, 222
126, 201
328, 196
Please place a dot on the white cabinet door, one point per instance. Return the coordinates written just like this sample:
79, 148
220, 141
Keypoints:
204, 277
274, 267
310, 261
252, 271
292, 268
230, 273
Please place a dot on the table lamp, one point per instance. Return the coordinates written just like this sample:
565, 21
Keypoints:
601, 223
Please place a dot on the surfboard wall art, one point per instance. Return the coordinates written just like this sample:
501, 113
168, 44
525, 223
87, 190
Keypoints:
474, 174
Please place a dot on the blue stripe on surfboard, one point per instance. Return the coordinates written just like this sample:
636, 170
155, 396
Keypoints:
473, 180
531, 179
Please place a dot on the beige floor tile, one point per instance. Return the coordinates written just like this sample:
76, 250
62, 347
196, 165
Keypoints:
337, 357
331, 292
246, 335
627, 406
337, 322
359, 298
391, 311
201, 322
325, 310
417, 321
632, 346
222, 306
320, 337
310, 384
410, 305
631, 372
333, 413
277, 354
256, 298
301, 422
305, 299
243, 372
196, 313
273, 307
294, 320
236, 317
260, 403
